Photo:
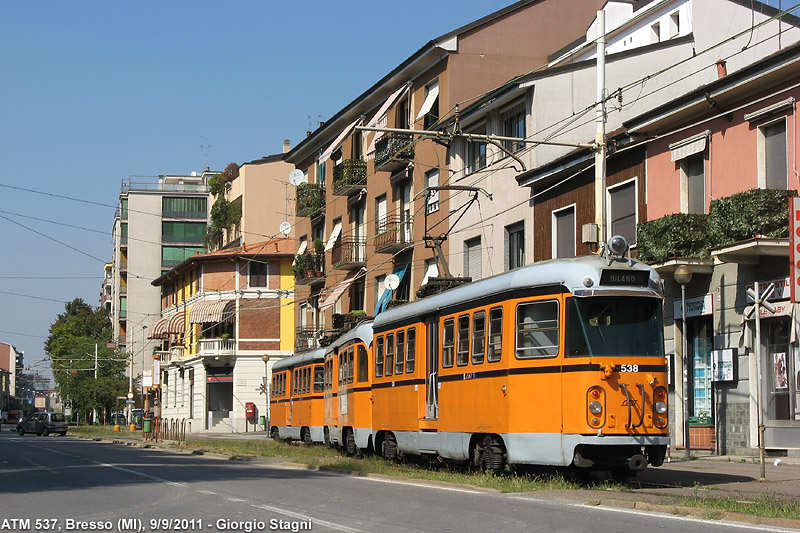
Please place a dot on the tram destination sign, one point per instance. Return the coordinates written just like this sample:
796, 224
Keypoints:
614, 277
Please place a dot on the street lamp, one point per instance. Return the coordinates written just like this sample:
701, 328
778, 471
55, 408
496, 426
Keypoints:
683, 275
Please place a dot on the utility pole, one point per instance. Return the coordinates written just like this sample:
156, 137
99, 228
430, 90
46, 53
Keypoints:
760, 300
600, 133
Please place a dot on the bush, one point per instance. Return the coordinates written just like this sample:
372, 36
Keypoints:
677, 235
747, 214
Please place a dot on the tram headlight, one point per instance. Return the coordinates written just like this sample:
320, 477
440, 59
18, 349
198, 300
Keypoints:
595, 407
661, 408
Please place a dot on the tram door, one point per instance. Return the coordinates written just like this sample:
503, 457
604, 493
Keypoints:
431, 368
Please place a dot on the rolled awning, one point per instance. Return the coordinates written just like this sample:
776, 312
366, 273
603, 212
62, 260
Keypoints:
176, 324
216, 311
159, 330
338, 141
339, 290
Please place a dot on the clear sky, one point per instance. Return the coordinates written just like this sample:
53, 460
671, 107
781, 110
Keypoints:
92, 92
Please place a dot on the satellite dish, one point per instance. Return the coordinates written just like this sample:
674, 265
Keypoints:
285, 228
391, 282
296, 177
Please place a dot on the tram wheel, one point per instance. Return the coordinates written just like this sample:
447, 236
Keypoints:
390, 447
307, 437
350, 443
493, 455
275, 434
327, 439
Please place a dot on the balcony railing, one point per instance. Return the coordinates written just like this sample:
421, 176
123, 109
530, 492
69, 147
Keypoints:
176, 354
309, 269
349, 252
305, 337
392, 234
310, 199
393, 151
165, 356
349, 177
216, 347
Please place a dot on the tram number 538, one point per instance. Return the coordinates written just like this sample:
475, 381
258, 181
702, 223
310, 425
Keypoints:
629, 368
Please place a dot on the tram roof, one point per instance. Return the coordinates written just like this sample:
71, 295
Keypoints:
568, 273
362, 332
312, 356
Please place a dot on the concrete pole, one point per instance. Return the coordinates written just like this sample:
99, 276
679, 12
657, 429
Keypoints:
600, 134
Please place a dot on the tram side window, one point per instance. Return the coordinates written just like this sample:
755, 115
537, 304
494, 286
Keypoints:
295, 381
448, 342
478, 337
495, 334
537, 329
319, 378
462, 348
410, 347
363, 364
340, 369
350, 365
379, 357
400, 353
389, 353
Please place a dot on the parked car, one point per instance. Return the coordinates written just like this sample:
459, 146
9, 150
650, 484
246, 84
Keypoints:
43, 423
118, 418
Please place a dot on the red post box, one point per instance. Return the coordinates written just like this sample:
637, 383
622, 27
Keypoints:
250, 410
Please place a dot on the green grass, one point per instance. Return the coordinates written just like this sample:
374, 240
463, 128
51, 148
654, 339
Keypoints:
769, 506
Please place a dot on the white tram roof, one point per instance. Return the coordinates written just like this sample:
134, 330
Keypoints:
569, 273
362, 332
312, 356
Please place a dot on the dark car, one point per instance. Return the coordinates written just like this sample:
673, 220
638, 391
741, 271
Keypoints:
118, 418
43, 423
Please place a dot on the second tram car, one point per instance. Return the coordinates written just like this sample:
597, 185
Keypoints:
296, 409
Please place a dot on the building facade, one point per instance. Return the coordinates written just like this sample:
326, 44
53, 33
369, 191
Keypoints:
227, 316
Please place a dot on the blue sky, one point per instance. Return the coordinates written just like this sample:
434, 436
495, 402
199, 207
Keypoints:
92, 92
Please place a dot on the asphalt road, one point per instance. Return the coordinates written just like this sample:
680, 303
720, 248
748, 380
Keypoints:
132, 488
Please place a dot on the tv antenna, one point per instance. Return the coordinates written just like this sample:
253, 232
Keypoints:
205, 148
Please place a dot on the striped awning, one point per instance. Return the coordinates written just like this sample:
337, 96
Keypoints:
176, 324
159, 330
212, 311
339, 290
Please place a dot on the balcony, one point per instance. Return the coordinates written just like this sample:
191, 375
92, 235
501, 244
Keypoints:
309, 269
305, 337
217, 347
164, 355
177, 354
310, 199
349, 177
393, 151
349, 253
393, 234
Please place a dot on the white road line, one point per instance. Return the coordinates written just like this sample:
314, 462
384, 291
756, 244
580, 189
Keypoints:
235, 500
315, 521
205, 492
423, 485
622, 510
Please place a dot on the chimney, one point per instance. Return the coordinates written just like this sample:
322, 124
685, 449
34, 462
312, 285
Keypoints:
722, 69
287, 146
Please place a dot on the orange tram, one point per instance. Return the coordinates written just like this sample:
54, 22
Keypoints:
558, 363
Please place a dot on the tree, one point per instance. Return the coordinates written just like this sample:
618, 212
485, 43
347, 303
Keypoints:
71, 345
224, 214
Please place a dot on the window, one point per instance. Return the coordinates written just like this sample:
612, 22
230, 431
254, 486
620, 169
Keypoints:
432, 197
514, 126
564, 232
495, 334
123, 234
258, 274
319, 378
693, 171
462, 347
379, 357
430, 106
655, 33
321, 173
350, 365
476, 151
478, 337
537, 329
174, 255
380, 214
357, 146
123, 209
194, 232
410, 350
363, 364
400, 353
472, 259
674, 24
401, 115
389, 353
448, 342
515, 246
774, 164
622, 209
184, 207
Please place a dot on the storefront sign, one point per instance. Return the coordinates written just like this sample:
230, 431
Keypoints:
722, 365
147, 378
794, 240
156, 372
781, 291
700, 306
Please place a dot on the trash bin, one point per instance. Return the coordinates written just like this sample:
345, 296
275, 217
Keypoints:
262, 420
147, 425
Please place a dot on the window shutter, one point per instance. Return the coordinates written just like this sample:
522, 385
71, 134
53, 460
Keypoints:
623, 212
565, 233
473, 264
775, 166
696, 181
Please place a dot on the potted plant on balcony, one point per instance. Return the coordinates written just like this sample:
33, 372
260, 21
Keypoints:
300, 265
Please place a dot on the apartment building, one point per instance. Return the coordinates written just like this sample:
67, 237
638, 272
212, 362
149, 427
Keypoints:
11, 361
226, 317
158, 225
363, 215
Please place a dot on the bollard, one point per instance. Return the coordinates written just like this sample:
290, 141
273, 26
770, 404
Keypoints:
132, 427
116, 427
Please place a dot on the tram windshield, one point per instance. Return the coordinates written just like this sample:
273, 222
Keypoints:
614, 326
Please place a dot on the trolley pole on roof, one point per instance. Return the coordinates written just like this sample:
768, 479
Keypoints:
600, 134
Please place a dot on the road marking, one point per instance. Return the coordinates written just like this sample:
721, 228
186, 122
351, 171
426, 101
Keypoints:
423, 485
315, 521
41, 466
622, 510
205, 491
236, 500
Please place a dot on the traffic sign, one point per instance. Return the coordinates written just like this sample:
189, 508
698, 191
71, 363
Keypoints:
130, 401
